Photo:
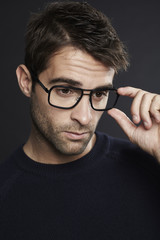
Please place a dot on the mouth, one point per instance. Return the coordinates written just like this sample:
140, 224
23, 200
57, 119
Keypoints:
76, 135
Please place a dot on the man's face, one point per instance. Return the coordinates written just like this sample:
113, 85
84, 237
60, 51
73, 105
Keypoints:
69, 132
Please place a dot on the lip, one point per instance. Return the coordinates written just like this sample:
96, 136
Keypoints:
76, 135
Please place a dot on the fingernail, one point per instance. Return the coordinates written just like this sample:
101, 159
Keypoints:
146, 124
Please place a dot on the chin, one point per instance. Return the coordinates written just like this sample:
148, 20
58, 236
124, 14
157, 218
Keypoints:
71, 149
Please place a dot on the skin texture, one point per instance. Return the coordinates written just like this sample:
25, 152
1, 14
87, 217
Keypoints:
60, 136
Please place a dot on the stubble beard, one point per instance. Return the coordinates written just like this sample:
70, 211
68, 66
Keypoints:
51, 133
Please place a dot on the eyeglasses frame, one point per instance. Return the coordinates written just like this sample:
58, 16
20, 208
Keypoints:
82, 93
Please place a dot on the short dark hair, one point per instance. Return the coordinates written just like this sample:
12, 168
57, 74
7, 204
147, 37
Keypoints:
77, 24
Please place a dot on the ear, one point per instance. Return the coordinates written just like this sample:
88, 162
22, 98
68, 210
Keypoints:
24, 80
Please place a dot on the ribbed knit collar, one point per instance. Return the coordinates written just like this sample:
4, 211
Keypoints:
100, 148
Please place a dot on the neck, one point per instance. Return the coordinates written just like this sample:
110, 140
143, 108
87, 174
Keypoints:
40, 150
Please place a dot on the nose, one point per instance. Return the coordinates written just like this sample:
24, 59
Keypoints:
82, 113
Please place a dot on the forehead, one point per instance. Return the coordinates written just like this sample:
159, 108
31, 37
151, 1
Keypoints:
78, 65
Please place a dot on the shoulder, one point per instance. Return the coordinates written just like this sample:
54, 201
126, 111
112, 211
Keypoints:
121, 147
125, 155
129, 151
9, 171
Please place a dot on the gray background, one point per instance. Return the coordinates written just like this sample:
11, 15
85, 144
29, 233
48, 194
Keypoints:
137, 23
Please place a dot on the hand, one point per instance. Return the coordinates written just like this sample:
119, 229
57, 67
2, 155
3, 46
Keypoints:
145, 111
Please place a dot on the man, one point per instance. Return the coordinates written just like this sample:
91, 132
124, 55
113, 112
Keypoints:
69, 181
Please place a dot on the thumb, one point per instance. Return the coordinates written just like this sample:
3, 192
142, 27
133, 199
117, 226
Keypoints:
123, 121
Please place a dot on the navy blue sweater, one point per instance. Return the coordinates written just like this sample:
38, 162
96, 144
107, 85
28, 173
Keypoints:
111, 193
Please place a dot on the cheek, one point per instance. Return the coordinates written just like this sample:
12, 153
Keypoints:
61, 116
57, 117
98, 115
43, 108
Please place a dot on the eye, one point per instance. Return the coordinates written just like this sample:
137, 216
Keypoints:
64, 91
100, 94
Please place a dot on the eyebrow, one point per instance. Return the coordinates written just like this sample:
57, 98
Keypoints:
66, 80
76, 83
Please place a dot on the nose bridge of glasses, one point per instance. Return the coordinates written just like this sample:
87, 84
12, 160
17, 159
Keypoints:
87, 92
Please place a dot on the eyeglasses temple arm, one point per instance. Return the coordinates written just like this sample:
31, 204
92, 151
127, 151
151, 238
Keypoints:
41, 84
37, 80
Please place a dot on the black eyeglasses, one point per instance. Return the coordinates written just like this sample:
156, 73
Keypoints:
67, 97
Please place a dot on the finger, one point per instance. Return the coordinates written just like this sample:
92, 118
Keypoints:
135, 107
137, 94
124, 122
140, 106
145, 109
155, 108
128, 91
